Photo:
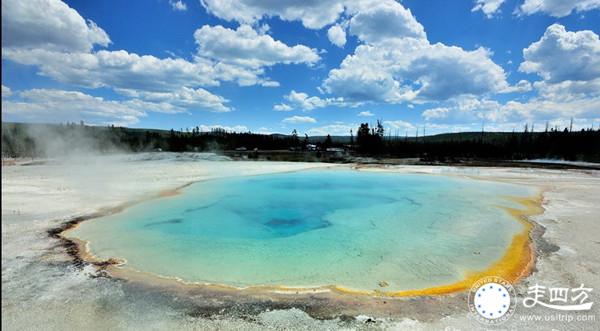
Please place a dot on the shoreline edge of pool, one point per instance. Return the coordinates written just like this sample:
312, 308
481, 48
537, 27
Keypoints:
517, 262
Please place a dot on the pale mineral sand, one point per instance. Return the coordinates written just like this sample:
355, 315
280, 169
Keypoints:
42, 290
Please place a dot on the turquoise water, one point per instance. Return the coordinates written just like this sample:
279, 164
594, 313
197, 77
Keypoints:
313, 228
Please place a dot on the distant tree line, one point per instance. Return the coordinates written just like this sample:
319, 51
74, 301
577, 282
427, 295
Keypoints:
219, 139
40, 140
549, 144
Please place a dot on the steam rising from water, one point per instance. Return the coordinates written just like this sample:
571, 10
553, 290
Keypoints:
40, 286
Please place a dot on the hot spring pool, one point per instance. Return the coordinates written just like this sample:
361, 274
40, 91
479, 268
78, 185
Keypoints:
356, 230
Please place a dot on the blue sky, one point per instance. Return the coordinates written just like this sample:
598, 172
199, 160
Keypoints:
316, 66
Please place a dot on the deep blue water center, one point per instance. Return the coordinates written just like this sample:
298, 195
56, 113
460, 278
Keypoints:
282, 206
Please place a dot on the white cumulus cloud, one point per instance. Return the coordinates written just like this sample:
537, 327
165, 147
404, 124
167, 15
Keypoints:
118, 69
521, 87
282, 107
557, 8
440, 112
299, 119
408, 69
488, 7
303, 101
384, 20
48, 24
396, 63
313, 14
185, 97
563, 55
178, 5
58, 41
569, 65
398, 125
366, 114
247, 47
569, 90
6, 91
337, 35
50, 105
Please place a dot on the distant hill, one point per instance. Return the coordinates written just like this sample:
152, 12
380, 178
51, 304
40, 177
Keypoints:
442, 137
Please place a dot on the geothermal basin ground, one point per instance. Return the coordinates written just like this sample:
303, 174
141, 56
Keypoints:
342, 243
